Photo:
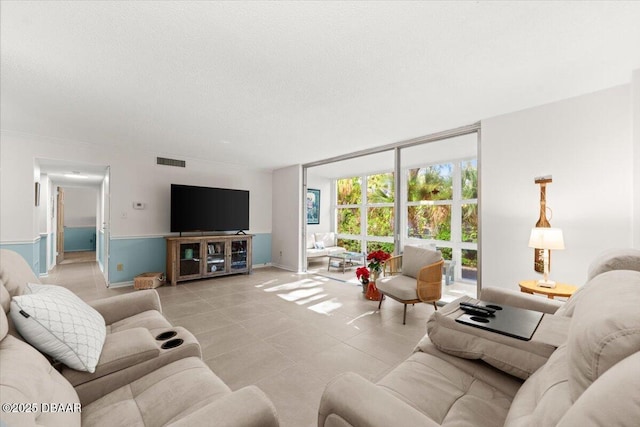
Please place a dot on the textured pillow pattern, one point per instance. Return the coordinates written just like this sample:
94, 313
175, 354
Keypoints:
55, 321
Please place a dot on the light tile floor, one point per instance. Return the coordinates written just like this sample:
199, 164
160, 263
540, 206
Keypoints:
287, 333
450, 292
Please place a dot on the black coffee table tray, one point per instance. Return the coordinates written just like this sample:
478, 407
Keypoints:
510, 321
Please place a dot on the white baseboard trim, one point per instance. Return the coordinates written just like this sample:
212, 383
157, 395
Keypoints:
267, 264
282, 267
119, 285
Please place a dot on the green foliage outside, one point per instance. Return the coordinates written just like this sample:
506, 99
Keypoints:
470, 258
380, 188
385, 246
469, 174
350, 245
470, 223
380, 221
349, 191
431, 183
349, 221
447, 253
430, 222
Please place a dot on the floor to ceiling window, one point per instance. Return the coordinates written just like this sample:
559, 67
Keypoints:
349, 213
365, 219
423, 192
442, 208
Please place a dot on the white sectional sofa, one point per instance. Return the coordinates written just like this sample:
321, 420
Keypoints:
322, 244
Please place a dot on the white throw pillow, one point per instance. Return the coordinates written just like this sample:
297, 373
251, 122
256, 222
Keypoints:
55, 321
320, 245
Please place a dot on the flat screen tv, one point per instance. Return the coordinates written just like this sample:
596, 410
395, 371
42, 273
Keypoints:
208, 209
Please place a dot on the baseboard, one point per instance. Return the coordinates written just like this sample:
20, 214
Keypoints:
119, 285
282, 267
266, 264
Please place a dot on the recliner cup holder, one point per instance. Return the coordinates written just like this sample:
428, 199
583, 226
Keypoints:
495, 307
474, 318
172, 343
166, 335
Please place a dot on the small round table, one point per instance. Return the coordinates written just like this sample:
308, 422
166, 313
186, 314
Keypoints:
561, 289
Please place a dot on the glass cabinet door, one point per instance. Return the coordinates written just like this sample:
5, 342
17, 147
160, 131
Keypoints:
239, 255
215, 258
189, 259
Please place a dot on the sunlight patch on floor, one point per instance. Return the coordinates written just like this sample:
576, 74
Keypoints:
304, 283
326, 307
267, 283
298, 294
311, 299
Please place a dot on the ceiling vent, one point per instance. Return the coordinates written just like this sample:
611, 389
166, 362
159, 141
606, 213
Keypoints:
171, 162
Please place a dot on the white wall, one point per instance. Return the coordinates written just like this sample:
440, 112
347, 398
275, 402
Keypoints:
134, 177
43, 209
460, 147
324, 185
80, 206
635, 100
286, 237
585, 144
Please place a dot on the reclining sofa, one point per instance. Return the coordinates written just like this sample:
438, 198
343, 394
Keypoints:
581, 367
138, 380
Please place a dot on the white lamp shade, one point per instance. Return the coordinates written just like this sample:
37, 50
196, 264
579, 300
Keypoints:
546, 238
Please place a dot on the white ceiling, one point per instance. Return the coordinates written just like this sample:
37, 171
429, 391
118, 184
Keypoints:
270, 84
71, 174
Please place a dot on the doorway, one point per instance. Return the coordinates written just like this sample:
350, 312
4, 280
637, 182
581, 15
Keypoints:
60, 226
77, 216
77, 224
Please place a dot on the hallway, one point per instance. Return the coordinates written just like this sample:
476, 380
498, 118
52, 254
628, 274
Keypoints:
83, 278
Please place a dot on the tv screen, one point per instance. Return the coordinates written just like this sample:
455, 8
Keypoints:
208, 209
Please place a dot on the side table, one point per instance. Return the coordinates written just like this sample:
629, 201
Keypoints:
561, 289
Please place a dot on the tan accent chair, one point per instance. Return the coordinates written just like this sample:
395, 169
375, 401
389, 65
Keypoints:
413, 277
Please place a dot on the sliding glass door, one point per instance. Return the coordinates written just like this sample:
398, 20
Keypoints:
419, 192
